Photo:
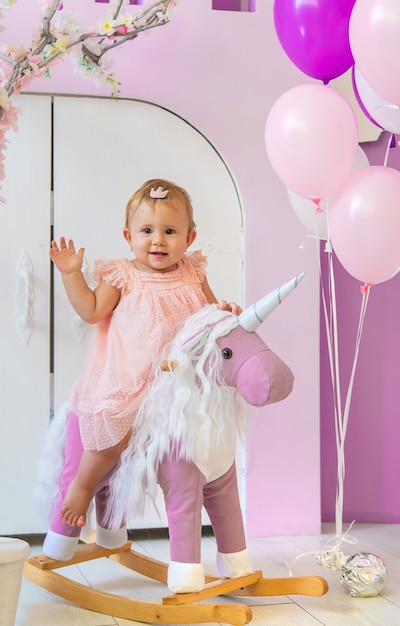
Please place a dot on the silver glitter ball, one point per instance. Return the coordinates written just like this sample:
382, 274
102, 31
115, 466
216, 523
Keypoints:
363, 575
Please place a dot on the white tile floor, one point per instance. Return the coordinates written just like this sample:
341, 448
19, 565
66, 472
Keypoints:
38, 607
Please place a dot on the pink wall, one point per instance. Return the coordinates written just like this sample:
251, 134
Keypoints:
223, 71
371, 491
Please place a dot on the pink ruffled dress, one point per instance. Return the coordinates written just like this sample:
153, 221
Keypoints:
129, 342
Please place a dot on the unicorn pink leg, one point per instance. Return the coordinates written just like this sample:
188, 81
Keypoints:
182, 483
61, 539
221, 501
106, 537
185, 490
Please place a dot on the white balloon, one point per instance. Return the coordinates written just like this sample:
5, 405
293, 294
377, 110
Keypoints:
305, 210
317, 221
382, 112
360, 161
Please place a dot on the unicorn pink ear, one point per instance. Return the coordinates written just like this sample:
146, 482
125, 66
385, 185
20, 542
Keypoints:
251, 318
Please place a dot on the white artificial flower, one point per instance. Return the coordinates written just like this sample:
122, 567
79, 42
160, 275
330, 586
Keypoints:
67, 23
61, 43
105, 25
75, 56
162, 17
87, 69
6, 4
125, 20
101, 72
99, 79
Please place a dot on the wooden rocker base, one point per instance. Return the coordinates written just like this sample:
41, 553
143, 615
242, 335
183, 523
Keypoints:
179, 608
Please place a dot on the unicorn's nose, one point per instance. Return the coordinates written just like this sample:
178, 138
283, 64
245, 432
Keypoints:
264, 378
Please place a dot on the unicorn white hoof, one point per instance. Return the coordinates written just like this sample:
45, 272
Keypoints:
185, 577
62, 548
111, 539
59, 547
235, 564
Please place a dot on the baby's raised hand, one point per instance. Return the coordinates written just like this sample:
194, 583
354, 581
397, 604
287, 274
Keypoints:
65, 258
234, 308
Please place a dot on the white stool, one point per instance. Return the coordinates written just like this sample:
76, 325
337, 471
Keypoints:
13, 552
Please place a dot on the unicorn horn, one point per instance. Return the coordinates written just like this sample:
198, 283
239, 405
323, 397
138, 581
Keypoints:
251, 318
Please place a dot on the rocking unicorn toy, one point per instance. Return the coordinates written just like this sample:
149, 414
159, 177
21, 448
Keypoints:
185, 440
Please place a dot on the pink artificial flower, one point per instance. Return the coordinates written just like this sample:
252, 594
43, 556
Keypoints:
122, 30
5, 71
46, 5
9, 118
23, 82
34, 64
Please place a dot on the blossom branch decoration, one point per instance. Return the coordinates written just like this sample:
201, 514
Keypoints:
60, 34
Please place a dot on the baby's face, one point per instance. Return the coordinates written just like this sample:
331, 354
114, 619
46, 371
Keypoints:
159, 235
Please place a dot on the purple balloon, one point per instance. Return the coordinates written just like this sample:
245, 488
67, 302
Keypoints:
315, 35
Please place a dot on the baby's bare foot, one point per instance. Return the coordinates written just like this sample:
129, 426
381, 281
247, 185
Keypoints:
76, 504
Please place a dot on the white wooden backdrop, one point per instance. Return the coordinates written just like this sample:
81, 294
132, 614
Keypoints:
25, 280
102, 151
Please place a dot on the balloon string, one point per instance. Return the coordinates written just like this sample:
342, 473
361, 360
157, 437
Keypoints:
331, 557
389, 145
341, 415
346, 412
330, 318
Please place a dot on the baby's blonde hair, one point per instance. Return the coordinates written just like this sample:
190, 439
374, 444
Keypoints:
175, 194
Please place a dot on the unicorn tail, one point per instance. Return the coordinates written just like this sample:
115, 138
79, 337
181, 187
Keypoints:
51, 465
133, 486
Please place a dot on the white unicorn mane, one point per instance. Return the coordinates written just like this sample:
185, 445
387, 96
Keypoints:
182, 412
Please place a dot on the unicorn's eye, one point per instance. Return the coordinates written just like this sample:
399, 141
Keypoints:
226, 353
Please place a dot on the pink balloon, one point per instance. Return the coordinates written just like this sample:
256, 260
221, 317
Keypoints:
364, 224
374, 34
311, 138
317, 221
